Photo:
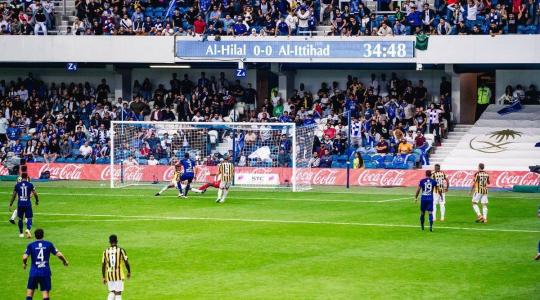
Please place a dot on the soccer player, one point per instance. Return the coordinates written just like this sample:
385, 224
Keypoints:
480, 189
40, 272
188, 167
112, 269
175, 180
23, 169
427, 187
24, 190
226, 173
202, 189
439, 197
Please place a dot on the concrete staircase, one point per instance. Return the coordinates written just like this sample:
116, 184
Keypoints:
448, 144
64, 11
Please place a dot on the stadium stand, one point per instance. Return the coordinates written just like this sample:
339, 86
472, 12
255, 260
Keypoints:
502, 142
69, 122
268, 18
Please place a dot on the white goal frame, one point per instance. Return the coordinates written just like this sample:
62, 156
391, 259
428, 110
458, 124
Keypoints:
292, 128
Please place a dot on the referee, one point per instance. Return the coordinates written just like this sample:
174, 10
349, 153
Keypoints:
112, 269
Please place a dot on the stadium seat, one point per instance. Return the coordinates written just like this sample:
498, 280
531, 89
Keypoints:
335, 164
60, 160
163, 161
143, 162
342, 158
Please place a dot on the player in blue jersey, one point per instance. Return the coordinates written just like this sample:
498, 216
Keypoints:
188, 166
427, 187
39, 252
23, 191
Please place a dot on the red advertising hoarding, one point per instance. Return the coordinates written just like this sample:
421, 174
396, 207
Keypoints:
358, 177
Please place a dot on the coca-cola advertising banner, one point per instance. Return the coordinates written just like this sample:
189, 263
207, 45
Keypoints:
363, 177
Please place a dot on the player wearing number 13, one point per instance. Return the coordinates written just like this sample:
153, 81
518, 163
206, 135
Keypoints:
112, 269
23, 191
40, 271
427, 186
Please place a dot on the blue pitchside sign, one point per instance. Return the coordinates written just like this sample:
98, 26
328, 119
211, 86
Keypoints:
294, 49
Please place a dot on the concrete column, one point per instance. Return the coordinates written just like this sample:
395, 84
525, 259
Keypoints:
286, 83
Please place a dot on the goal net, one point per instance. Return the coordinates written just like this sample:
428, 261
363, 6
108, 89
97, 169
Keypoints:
265, 155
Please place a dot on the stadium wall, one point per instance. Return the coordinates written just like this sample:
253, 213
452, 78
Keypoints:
459, 49
359, 177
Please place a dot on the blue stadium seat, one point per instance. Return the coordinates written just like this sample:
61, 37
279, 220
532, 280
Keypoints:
143, 162
60, 160
163, 161
70, 160
335, 164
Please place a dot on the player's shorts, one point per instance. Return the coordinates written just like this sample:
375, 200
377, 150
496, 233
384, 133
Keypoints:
482, 198
117, 286
188, 177
426, 205
224, 185
25, 211
439, 198
44, 283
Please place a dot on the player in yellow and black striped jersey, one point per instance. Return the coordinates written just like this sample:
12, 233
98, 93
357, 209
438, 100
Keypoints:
226, 173
175, 178
480, 189
112, 268
439, 197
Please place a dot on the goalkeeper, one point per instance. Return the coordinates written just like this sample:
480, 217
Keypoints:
215, 184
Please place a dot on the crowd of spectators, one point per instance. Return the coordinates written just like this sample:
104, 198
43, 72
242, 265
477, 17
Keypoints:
47, 122
276, 17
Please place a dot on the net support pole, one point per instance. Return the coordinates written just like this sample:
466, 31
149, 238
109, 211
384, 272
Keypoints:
111, 171
293, 156
348, 147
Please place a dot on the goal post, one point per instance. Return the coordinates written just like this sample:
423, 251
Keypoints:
265, 155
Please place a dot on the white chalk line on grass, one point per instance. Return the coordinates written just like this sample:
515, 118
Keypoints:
124, 218
211, 197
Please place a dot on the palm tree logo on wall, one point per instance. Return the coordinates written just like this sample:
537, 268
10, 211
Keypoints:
497, 140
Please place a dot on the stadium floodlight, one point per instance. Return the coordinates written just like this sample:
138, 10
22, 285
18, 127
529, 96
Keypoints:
265, 155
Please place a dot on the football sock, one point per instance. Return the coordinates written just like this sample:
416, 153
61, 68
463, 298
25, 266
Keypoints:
46, 298
476, 209
188, 187
430, 217
225, 192
163, 189
538, 247
13, 215
434, 210
111, 296
204, 186
422, 219
179, 187
28, 298
219, 193
20, 223
29, 223
484, 211
182, 188
443, 210
118, 297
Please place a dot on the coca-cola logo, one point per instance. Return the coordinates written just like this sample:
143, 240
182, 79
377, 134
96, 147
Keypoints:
461, 178
325, 177
130, 173
508, 179
386, 178
168, 174
65, 171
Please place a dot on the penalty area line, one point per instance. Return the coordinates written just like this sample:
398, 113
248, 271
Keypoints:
124, 218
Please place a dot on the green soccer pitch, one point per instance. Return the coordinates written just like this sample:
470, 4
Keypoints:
327, 243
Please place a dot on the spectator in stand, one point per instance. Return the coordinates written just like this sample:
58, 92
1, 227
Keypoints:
399, 28
404, 148
414, 19
303, 17
40, 20
152, 161
385, 30
326, 159
428, 16
315, 161
382, 146
443, 28
85, 151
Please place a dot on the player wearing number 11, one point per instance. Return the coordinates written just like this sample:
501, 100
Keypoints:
23, 191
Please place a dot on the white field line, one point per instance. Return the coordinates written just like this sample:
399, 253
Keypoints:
150, 195
123, 218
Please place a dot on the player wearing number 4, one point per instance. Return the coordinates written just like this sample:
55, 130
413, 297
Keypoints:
40, 271
24, 190
112, 269
427, 186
